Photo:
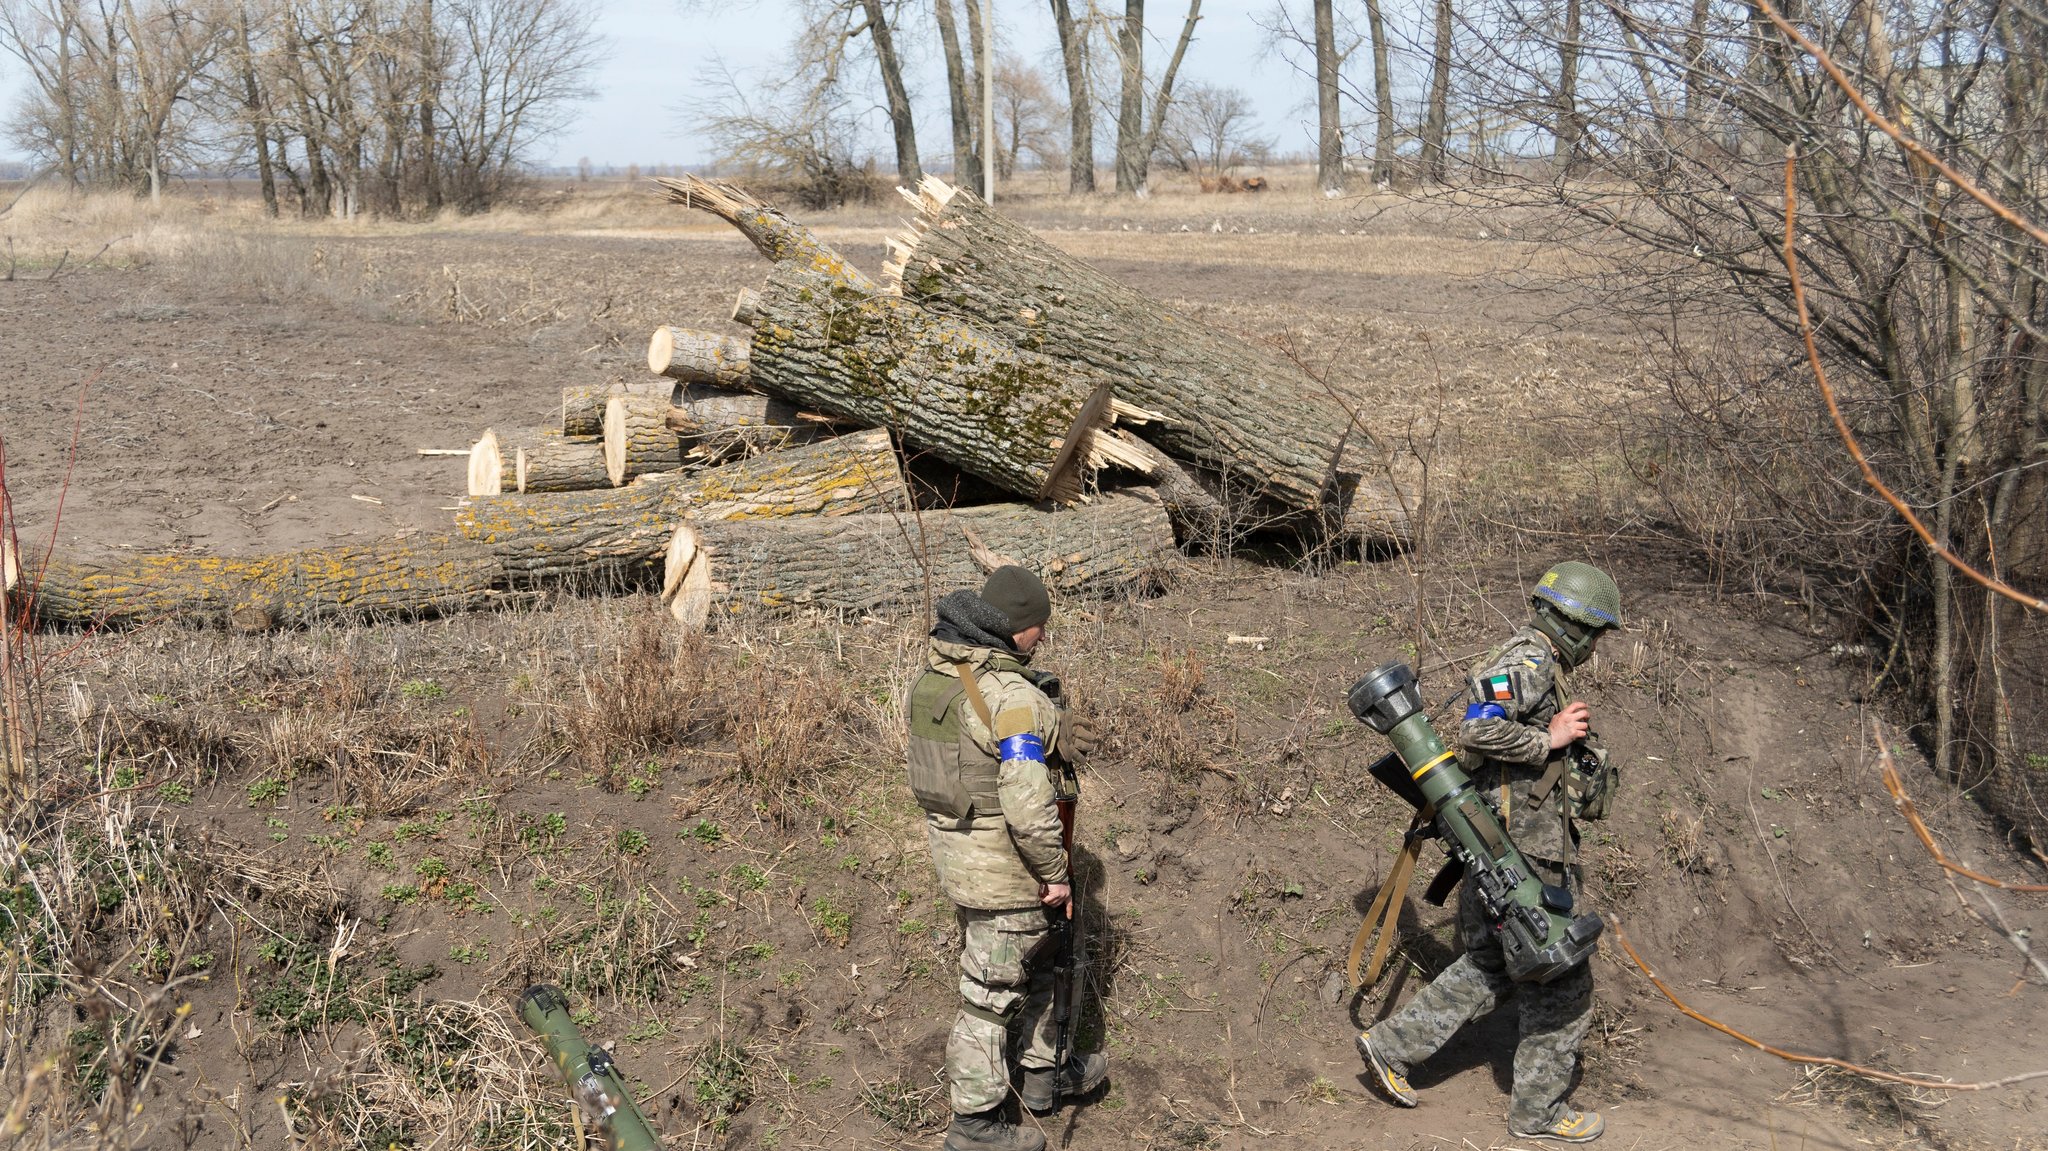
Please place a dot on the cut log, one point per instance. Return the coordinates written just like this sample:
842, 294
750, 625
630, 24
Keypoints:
717, 426
773, 234
1017, 419
1117, 544
695, 357
547, 461
637, 439
583, 404
615, 537
491, 469
423, 576
1245, 412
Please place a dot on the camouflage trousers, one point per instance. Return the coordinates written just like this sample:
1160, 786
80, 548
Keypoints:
1005, 987
1555, 1015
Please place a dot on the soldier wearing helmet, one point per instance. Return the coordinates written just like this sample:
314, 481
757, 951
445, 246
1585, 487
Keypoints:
1528, 744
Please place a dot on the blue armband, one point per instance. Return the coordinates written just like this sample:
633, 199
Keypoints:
1027, 746
1484, 711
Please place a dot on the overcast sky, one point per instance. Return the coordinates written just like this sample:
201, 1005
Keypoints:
657, 55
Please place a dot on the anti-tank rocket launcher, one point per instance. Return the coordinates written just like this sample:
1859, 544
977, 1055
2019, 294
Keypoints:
591, 1076
1540, 937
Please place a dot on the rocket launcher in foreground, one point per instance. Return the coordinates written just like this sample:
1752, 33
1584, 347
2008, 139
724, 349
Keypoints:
1540, 938
588, 1071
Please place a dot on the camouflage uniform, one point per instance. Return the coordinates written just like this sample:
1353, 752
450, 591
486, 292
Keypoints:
1504, 746
995, 840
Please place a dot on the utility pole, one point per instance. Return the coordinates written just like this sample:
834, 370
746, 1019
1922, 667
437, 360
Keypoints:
988, 100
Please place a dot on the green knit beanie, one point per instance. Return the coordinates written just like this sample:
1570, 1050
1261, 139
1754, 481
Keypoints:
1019, 594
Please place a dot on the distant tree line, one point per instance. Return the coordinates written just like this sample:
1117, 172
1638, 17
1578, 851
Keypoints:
339, 107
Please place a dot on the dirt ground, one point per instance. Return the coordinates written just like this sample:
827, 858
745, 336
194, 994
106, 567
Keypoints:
395, 829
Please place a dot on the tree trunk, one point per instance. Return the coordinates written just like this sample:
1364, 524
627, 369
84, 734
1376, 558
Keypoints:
1080, 101
1117, 544
717, 426
698, 357
492, 469
426, 575
1569, 127
583, 404
1329, 124
1162, 100
1382, 95
907, 167
1435, 121
1276, 437
773, 234
614, 537
430, 99
544, 461
1130, 115
1014, 418
637, 439
1199, 517
966, 162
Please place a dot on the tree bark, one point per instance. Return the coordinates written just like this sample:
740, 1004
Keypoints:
904, 129
613, 538
583, 404
637, 439
773, 234
1199, 517
1130, 115
1275, 437
545, 461
1016, 419
1436, 118
424, 576
717, 426
1080, 101
1117, 544
698, 357
1329, 124
1382, 95
1162, 100
1569, 127
961, 97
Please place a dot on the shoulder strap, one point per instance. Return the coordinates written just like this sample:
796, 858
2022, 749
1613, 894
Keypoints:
965, 671
1551, 775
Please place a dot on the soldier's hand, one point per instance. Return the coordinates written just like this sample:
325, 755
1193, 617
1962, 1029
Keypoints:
1083, 738
1055, 894
1572, 723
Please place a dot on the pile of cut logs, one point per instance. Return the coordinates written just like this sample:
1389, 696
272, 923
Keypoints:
866, 446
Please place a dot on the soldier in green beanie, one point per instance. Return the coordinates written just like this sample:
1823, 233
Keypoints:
984, 729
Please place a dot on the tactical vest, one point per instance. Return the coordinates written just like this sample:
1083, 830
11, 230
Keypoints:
951, 776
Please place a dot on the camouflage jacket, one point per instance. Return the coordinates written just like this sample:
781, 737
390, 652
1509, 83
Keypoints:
997, 860
1504, 743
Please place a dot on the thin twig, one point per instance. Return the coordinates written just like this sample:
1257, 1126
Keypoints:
1827, 391
1621, 937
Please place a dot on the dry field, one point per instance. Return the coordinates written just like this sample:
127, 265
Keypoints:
280, 891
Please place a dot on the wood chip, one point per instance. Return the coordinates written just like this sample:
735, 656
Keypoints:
1254, 639
367, 499
444, 451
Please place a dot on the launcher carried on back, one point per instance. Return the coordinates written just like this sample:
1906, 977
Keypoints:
1540, 938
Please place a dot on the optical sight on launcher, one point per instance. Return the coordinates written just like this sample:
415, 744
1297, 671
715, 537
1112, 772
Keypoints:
1540, 938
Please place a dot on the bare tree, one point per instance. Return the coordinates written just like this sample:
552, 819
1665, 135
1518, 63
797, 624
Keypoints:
1208, 132
1080, 100
901, 123
1329, 121
1026, 112
1928, 314
1136, 136
1436, 117
1383, 96
964, 97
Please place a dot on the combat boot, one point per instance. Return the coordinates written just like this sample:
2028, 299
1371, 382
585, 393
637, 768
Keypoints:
1571, 1127
1043, 1090
988, 1131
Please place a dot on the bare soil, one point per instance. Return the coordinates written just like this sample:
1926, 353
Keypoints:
437, 814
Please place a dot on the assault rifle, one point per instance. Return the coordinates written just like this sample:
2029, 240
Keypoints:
1070, 952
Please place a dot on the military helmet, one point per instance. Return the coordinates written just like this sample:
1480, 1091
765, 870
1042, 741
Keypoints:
1574, 603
